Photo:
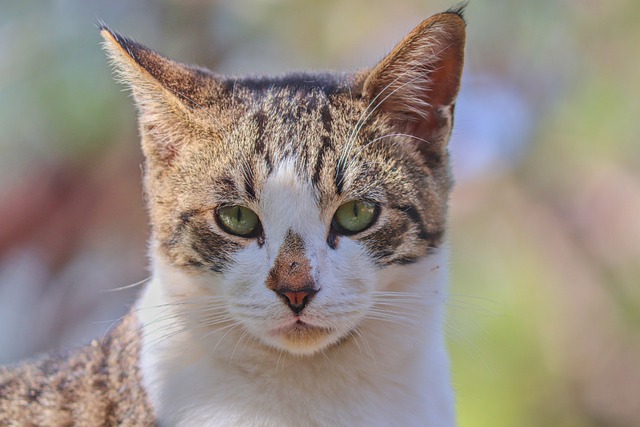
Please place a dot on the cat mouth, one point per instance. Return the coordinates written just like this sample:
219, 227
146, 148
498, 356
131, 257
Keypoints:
300, 336
297, 324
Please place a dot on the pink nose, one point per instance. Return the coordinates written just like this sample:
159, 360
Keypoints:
297, 299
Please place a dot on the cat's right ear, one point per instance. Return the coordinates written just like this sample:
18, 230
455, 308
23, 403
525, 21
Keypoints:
166, 93
416, 85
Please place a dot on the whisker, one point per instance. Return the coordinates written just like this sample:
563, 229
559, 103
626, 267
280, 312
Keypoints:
244, 334
133, 285
278, 361
384, 315
362, 121
357, 155
467, 344
169, 331
230, 327
324, 353
355, 332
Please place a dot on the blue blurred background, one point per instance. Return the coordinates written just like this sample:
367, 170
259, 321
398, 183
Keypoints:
544, 317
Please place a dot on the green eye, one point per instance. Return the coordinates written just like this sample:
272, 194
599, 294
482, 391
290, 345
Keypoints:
239, 220
355, 216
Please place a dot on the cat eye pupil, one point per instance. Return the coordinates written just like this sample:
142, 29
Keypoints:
238, 220
355, 216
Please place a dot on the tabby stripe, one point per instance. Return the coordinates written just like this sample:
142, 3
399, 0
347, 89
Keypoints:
227, 186
434, 237
212, 248
177, 234
325, 113
326, 144
339, 178
414, 215
193, 263
260, 118
249, 185
333, 239
405, 260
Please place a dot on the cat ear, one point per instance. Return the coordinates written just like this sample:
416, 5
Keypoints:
166, 92
417, 83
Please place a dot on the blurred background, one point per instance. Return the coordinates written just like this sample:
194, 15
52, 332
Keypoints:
544, 318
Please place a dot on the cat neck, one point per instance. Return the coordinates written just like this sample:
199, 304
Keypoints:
389, 366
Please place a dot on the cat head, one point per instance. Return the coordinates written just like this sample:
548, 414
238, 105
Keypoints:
283, 201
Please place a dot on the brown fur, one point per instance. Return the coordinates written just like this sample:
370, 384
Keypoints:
96, 385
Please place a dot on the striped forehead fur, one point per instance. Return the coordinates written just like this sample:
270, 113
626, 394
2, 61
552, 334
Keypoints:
276, 130
212, 141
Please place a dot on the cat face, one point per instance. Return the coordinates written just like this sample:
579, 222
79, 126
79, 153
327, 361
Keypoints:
288, 198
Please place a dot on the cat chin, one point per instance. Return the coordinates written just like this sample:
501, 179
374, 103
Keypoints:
302, 339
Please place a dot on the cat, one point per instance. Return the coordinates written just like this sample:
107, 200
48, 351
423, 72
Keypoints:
298, 253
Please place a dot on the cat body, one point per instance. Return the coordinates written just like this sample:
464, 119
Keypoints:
97, 385
299, 265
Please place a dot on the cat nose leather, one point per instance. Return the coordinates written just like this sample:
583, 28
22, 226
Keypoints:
297, 300
290, 277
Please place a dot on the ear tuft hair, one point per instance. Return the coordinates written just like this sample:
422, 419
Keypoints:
166, 92
458, 9
416, 85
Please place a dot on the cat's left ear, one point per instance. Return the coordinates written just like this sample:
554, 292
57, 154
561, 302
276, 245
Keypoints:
417, 83
166, 92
